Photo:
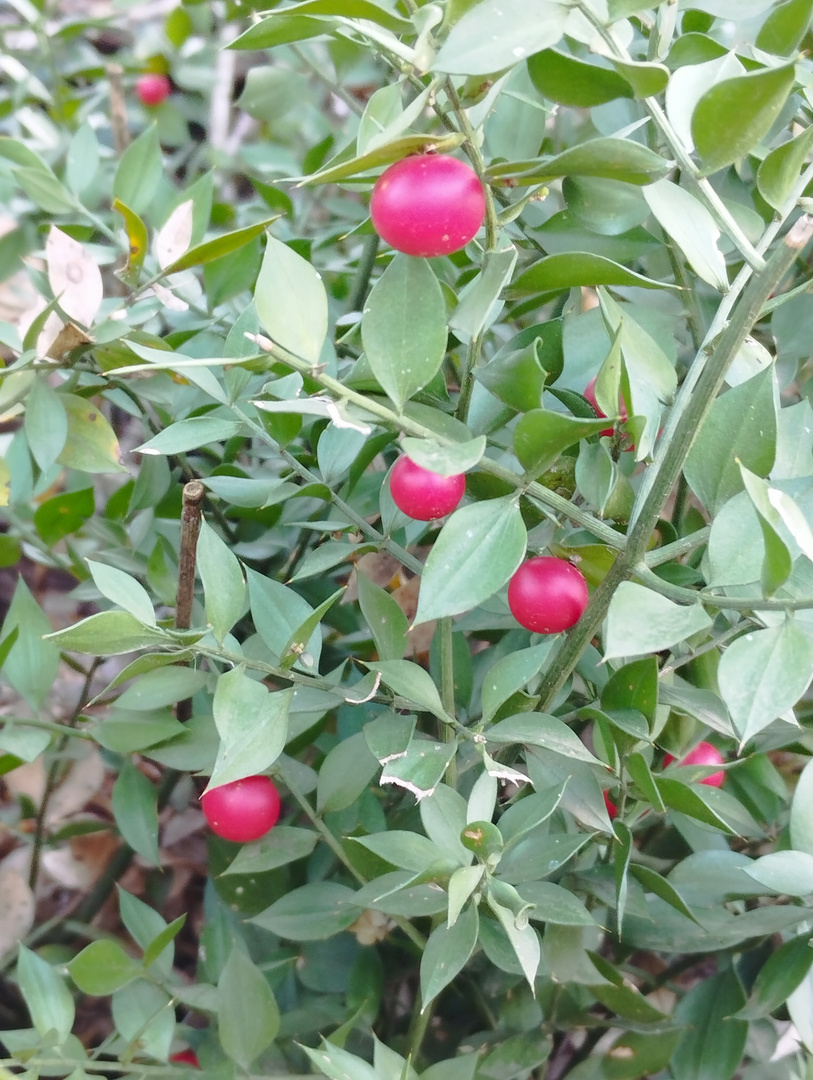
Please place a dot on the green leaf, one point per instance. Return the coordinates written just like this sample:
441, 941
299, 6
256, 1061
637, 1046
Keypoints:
540, 729
252, 723
777, 562
633, 686
137, 238
311, 913
690, 225
778, 977
611, 158
109, 633
49, 1002
403, 352
283, 845
763, 674
779, 170
478, 302
476, 552
607, 207
345, 774
32, 659
123, 590
801, 812
647, 79
206, 253
291, 301
161, 941
46, 191
143, 1012
278, 613
413, 682
385, 618
541, 436
554, 904
384, 155
190, 434
496, 34
556, 273
135, 809
247, 1014
145, 926
641, 621
224, 586
689, 800
783, 30
741, 425
517, 373
295, 646
278, 30
570, 81
46, 425
339, 1064
406, 850
447, 952
139, 171
420, 768
443, 459
788, 872
732, 117
509, 674
157, 686
103, 967
523, 939
618, 994
91, 445
711, 1044
654, 883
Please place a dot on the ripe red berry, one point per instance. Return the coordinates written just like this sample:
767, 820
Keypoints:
243, 810
703, 754
590, 394
547, 595
152, 89
185, 1057
612, 809
428, 204
422, 494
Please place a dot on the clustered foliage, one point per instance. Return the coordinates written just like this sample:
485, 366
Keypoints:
490, 862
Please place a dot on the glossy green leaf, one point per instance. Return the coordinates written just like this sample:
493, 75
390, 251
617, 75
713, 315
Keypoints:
777, 562
338, 1064
421, 768
345, 774
690, 225
783, 30
385, 618
31, 659
247, 1016
278, 613
764, 673
478, 303
224, 586
653, 882
202, 254
711, 1044
291, 301
413, 682
50, 1003
554, 904
646, 79
540, 729
311, 913
46, 425
44, 189
384, 155
102, 967
556, 273
642, 621
283, 845
612, 158
404, 353
779, 170
542, 435
252, 723
109, 633
732, 117
801, 812
788, 872
278, 30
511, 673
442, 459
740, 426
778, 977
447, 952
571, 81
134, 803
190, 434
607, 207
143, 1011
620, 995
91, 444
123, 590
496, 34
139, 170
476, 552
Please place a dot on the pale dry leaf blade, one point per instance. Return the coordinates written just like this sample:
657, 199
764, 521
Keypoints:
74, 277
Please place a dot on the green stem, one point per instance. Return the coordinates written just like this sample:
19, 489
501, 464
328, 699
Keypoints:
472, 148
417, 1029
415, 936
677, 548
364, 273
725, 603
691, 409
603, 532
447, 691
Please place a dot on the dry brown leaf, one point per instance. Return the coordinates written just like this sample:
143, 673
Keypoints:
79, 863
16, 908
83, 781
28, 780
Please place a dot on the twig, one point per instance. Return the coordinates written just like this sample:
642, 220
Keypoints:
118, 108
193, 494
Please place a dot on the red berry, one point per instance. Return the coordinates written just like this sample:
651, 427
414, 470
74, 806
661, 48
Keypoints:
703, 754
243, 810
428, 204
612, 809
185, 1057
152, 89
422, 494
547, 595
590, 394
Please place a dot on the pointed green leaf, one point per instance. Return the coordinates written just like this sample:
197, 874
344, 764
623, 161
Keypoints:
135, 809
123, 590
496, 34
447, 952
247, 1014
573, 269
224, 586
541, 436
252, 723
291, 301
641, 621
779, 170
